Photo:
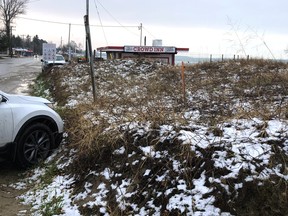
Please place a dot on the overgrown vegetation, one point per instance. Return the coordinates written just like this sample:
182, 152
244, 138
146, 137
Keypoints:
135, 96
53, 207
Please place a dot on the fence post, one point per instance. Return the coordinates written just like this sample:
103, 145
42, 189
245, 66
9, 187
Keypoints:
183, 83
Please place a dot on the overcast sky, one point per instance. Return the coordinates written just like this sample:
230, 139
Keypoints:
253, 27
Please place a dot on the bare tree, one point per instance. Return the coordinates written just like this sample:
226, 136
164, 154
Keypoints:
9, 10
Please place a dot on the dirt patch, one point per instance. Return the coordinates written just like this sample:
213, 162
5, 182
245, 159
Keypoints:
17, 82
9, 204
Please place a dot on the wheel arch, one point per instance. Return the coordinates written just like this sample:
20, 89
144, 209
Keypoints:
38, 119
48, 121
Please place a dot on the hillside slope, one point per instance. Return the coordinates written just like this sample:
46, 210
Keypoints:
151, 146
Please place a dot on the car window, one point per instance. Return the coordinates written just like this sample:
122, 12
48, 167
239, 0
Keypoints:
59, 58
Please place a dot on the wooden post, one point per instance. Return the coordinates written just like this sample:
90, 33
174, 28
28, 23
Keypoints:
183, 82
90, 55
140, 27
69, 44
86, 42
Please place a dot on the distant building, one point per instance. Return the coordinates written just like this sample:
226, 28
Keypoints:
22, 52
164, 54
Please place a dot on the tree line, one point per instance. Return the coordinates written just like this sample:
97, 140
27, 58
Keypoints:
27, 42
9, 10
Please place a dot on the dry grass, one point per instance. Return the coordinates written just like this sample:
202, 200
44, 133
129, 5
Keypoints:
222, 90
249, 89
219, 91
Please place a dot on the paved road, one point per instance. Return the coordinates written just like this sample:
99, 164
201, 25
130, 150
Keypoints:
15, 76
17, 73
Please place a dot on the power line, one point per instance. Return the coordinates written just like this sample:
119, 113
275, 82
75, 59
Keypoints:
100, 26
116, 19
75, 24
120, 23
101, 22
149, 32
47, 21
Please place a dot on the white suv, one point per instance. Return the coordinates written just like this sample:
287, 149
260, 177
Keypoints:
47, 65
29, 128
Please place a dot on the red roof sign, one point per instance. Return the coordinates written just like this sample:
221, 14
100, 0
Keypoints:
150, 49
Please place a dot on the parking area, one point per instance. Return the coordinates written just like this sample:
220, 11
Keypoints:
15, 76
17, 73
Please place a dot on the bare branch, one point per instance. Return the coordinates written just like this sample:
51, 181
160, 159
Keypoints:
10, 9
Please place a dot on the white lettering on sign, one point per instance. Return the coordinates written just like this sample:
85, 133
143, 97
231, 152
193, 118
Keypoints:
150, 49
49, 52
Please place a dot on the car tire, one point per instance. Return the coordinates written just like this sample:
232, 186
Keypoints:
34, 145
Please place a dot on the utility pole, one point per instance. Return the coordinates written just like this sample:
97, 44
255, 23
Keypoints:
140, 28
69, 44
86, 44
61, 45
23, 38
10, 41
89, 46
87, 7
10, 46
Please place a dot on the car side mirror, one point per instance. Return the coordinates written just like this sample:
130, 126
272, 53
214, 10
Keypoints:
2, 99
42, 60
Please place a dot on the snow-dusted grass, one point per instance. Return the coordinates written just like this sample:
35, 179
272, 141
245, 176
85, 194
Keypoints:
141, 149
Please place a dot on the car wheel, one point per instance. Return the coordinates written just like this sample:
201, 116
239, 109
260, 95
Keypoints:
34, 145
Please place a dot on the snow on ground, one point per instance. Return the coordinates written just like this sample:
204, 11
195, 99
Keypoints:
246, 148
242, 154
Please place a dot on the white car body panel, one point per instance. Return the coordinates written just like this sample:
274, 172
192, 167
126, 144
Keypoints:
22, 109
6, 124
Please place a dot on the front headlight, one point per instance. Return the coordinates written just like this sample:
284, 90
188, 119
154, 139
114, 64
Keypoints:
51, 105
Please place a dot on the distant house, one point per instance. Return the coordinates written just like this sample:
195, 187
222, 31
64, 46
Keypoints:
164, 54
22, 52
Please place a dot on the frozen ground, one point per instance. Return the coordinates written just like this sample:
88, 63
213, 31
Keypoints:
234, 165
